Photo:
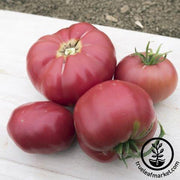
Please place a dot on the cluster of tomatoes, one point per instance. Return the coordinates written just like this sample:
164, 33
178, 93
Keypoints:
112, 118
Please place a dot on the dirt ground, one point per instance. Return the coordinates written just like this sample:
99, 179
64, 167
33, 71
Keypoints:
152, 16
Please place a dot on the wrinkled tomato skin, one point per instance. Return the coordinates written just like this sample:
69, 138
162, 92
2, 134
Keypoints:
100, 156
106, 114
159, 80
41, 127
65, 79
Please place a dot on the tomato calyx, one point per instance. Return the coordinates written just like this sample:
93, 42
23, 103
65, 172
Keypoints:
151, 58
129, 149
126, 150
71, 47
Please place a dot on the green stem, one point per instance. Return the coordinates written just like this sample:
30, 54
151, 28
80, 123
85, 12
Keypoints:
151, 58
162, 133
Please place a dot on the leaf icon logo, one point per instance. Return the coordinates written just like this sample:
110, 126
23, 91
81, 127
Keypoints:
160, 155
157, 155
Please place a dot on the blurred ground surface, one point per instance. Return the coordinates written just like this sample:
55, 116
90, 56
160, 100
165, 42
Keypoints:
152, 16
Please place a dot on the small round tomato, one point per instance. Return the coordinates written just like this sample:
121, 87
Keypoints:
151, 71
114, 116
64, 65
41, 127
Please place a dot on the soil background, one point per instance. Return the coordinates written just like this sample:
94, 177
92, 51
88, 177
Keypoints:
152, 16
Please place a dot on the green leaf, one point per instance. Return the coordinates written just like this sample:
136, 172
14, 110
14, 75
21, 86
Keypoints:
132, 143
145, 132
127, 148
124, 161
136, 126
157, 52
120, 150
147, 50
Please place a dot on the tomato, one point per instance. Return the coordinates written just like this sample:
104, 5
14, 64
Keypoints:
114, 115
66, 64
98, 155
151, 71
41, 127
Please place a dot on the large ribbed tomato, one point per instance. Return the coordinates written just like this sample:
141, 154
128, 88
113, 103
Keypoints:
66, 64
114, 116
